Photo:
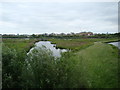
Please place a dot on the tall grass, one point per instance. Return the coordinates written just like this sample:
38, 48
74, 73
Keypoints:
77, 44
12, 63
99, 66
92, 67
39, 69
42, 70
19, 44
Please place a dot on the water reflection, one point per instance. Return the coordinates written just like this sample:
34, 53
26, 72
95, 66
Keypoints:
52, 47
117, 44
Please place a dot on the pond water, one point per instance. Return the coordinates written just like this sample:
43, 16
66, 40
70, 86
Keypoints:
117, 44
52, 47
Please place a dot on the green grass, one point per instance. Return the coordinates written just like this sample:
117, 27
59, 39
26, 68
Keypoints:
73, 44
95, 66
19, 44
99, 66
92, 67
77, 44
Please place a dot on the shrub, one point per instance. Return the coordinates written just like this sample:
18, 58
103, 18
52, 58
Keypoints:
39, 69
12, 63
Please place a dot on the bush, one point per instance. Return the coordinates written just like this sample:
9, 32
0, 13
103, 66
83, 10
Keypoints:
12, 63
39, 69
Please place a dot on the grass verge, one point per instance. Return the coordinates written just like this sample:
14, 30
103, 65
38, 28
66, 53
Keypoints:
99, 66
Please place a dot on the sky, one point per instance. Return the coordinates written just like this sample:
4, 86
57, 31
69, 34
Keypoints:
55, 17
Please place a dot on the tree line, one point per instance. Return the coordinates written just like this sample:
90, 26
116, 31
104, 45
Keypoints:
62, 36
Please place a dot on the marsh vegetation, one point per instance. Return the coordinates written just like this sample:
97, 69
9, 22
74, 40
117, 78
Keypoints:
86, 65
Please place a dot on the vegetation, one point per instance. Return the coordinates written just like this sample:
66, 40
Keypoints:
19, 44
77, 44
39, 69
12, 63
64, 36
87, 65
98, 65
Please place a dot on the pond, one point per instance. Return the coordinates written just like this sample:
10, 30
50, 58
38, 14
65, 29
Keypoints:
117, 44
52, 47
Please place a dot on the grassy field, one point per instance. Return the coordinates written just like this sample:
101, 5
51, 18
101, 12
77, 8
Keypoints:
99, 65
88, 64
77, 44
19, 44
73, 44
93, 67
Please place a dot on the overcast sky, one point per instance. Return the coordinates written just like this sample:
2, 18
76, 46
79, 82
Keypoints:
51, 17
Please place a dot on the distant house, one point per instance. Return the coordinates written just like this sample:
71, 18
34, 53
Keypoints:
85, 34
90, 34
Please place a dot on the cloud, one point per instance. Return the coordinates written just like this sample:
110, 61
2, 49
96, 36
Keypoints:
58, 17
60, 1
7, 24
